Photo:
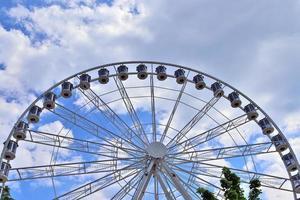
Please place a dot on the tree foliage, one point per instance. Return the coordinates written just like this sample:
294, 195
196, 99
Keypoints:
231, 185
232, 189
255, 190
6, 194
205, 194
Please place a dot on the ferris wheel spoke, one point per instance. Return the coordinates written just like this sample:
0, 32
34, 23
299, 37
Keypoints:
168, 193
125, 190
70, 169
88, 125
194, 177
131, 111
86, 146
212, 133
215, 171
173, 112
178, 184
153, 106
187, 187
224, 152
100, 183
182, 133
106, 110
142, 186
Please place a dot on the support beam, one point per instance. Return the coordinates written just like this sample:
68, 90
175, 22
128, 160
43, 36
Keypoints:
223, 153
103, 107
184, 131
171, 174
98, 184
140, 191
89, 126
212, 133
69, 169
86, 146
125, 190
164, 188
153, 106
131, 111
173, 112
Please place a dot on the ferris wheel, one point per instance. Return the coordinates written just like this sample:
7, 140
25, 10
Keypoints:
144, 130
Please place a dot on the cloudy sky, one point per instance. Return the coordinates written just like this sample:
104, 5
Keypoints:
253, 45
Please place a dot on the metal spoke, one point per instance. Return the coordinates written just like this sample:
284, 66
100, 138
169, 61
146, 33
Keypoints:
194, 176
131, 111
212, 133
132, 183
99, 184
224, 152
70, 169
141, 188
173, 112
111, 115
80, 145
164, 188
188, 187
176, 181
88, 125
215, 171
182, 133
156, 196
153, 106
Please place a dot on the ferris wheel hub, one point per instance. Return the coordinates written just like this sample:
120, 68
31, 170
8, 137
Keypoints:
156, 150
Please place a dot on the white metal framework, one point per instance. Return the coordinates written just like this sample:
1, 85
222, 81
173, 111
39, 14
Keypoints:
161, 139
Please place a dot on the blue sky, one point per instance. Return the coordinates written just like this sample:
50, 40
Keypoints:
253, 45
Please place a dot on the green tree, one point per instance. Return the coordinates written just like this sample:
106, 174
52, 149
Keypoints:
205, 194
6, 194
231, 186
232, 189
255, 190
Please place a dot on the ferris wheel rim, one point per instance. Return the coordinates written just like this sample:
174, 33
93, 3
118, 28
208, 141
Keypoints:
156, 63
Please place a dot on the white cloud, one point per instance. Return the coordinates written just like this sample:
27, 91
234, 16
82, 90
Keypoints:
256, 52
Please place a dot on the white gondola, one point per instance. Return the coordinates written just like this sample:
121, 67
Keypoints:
20, 130
279, 143
217, 89
161, 72
4, 170
10, 151
103, 76
251, 112
296, 182
34, 114
142, 71
199, 82
179, 75
122, 72
85, 80
266, 126
49, 100
66, 89
289, 162
234, 99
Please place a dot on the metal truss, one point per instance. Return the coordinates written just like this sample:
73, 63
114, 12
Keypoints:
141, 159
101, 106
173, 112
223, 153
70, 169
89, 126
86, 146
131, 111
183, 132
212, 133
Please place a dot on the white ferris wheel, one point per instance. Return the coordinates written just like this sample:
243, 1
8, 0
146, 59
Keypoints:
145, 130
